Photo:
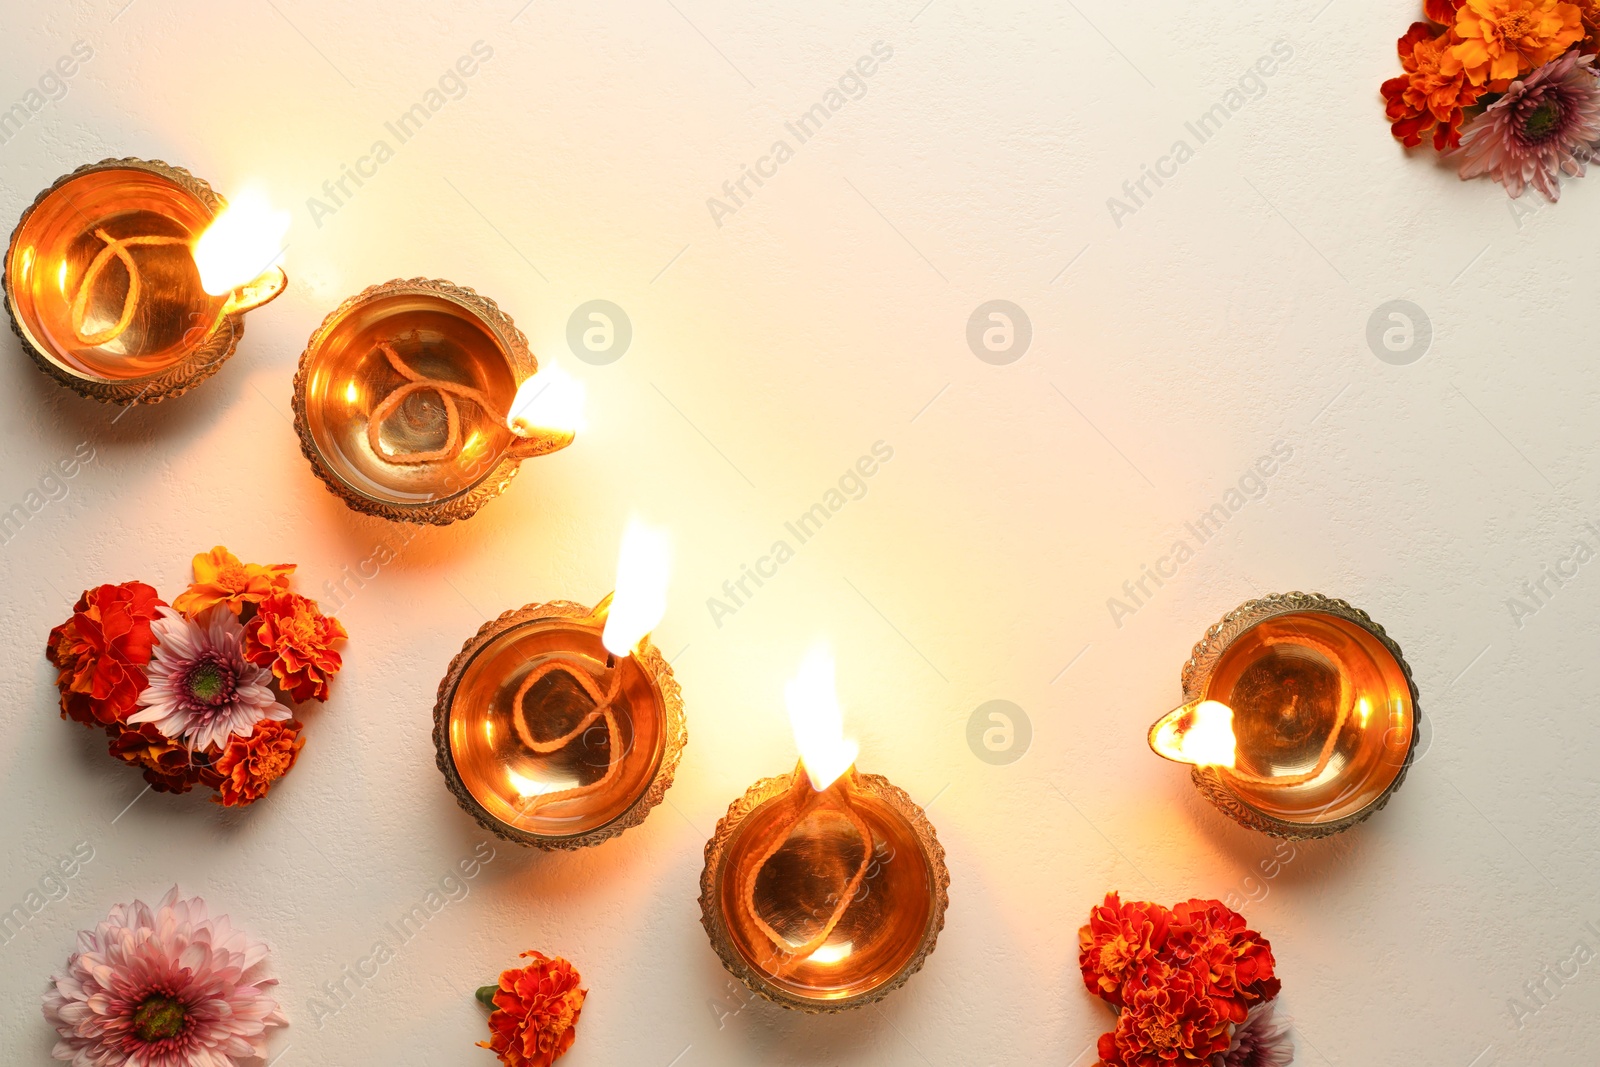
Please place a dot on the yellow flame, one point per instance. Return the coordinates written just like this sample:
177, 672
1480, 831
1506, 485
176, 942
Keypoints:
1364, 711
241, 244
818, 720
352, 392
551, 401
1200, 733
643, 567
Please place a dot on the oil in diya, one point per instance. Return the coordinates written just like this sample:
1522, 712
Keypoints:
559, 726
416, 400
824, 889
128, 280
1300, 717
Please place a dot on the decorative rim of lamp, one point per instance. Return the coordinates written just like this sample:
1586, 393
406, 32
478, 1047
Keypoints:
169, 382
445, 510
768, 789
1203, 661
675, 731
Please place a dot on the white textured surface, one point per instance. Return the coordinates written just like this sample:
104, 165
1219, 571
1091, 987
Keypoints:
769, 353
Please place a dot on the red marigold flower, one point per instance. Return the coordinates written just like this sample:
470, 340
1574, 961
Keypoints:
296, 640
536, 1012
1170, 1020
1236, 961
1118, 939
168, 765
1442, 11
248, 766
102, 650
1425, 98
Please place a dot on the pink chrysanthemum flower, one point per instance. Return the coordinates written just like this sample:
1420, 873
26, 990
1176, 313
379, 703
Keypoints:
202, 689
1260, 1041
163, 987
1546, 123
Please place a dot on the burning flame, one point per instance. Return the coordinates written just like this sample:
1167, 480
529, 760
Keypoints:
643, 567
243, 243
551, 402
1200, 733
818, 720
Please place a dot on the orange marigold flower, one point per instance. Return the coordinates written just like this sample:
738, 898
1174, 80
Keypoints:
168, 765
1590, 10
1118, 940
296, 640
1425, 98
248, 766
1169, 1021
1499, 40
536, 1010
219, 578
1236, 961
100, 653
1442, 11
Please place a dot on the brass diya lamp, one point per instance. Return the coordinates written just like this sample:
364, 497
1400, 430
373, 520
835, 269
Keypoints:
824, 889
559, 726
1300, 716
128, 280
416, 401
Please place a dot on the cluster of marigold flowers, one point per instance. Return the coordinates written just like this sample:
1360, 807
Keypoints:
1192, 985
1507, 87
193, 693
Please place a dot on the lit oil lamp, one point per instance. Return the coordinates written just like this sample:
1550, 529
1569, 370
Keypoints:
824, 889
1300, 716
128, 280
417, 400
560, 726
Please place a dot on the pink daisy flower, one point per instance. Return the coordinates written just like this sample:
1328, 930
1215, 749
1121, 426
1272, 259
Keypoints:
1260, 1041
202, 689
162, 987
1546, 123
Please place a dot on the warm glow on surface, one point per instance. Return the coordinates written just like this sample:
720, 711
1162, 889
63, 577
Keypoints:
643, 568
552, 401
831, 953
1364, 711
352, 392
527, 787
818, 720
1200, 733
243, 243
